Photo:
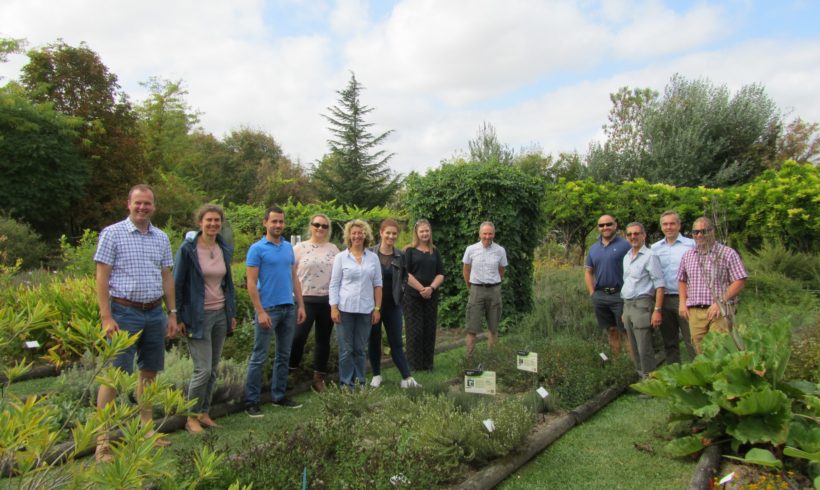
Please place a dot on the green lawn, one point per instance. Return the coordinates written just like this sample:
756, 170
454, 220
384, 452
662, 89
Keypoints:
602, 453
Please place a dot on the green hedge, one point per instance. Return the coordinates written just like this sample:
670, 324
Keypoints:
781, 205
456, 198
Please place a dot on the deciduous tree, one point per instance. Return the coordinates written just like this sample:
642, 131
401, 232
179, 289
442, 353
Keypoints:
77, 83
43, 172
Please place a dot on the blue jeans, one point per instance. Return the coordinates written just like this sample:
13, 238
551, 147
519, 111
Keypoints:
150, 348
283, 319
352, 335
391, 318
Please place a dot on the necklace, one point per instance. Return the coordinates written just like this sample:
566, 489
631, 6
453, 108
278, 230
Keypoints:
210, 249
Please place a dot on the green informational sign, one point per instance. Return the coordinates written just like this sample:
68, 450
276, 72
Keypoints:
482, 382
527, 361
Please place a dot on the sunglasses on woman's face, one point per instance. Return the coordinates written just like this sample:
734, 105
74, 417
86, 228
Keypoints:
320, 225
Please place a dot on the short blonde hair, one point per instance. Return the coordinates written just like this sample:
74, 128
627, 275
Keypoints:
368, 232
329, 225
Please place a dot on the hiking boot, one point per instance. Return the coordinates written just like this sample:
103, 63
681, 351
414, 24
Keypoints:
318, 382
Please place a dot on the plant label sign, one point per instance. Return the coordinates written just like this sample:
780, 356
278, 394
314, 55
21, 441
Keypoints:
489, 425
543, 393
32, 344
527, 361
481, 382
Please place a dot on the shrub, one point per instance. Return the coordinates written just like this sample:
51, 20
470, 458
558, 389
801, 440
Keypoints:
19, 241
774, 258
570, 368
365, 440
456, 199
79, 259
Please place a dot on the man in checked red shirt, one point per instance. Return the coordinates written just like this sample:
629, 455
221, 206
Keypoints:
710, 278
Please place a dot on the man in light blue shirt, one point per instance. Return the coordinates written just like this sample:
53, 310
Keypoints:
642, 293
669, 251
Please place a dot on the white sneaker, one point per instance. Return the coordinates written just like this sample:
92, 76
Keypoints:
410, 383
376, 381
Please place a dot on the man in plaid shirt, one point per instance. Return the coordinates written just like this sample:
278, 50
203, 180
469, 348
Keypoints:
710, 278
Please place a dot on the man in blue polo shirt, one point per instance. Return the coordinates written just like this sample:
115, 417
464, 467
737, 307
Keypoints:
670, 251
603, 275
272, 286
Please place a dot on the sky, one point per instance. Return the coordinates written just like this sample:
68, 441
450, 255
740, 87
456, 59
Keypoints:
433, 70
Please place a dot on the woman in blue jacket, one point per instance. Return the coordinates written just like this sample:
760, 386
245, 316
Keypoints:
206, 304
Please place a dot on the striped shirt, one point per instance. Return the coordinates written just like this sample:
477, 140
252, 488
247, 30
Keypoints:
136, 260
717, 269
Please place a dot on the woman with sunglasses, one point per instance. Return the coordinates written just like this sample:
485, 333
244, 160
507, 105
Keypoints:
314, 263
425, 273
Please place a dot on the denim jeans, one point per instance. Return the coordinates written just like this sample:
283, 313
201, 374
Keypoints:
391, 318
150, 347
283, 319
205, 354
352, 335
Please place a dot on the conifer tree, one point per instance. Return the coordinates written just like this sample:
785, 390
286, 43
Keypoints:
355, 171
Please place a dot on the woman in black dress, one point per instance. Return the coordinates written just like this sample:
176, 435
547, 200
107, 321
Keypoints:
425, 273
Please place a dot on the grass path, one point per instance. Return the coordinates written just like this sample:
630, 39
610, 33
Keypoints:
602, 453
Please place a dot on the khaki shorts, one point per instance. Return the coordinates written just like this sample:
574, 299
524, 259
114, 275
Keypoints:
484, 302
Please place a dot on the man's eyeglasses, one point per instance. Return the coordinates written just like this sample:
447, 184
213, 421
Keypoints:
701, 232
604, 225
320, 225
634, 233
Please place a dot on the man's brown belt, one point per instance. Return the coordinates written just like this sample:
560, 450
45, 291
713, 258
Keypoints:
140, 306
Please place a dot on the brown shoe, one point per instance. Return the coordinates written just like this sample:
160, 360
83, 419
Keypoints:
103, 453
318, 382
207, 422
193, 426
160, 441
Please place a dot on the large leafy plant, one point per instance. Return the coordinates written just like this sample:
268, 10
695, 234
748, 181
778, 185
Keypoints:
742, 396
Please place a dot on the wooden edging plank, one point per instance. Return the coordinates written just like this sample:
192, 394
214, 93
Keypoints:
502, 468
706, 469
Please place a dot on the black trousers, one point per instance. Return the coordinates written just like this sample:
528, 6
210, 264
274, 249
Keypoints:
420, 325
318, 313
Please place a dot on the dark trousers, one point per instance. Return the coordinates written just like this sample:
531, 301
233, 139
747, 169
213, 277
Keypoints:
391, 319
318, 313
420, 316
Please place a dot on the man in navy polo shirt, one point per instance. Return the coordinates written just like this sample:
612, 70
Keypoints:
272, 286
603, 274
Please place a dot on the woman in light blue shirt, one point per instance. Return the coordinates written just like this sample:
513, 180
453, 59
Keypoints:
355, 300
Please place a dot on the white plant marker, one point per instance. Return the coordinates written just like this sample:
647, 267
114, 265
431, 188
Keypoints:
541, 391
490, 425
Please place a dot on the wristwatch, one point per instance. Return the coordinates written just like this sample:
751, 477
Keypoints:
657, 308
378, 308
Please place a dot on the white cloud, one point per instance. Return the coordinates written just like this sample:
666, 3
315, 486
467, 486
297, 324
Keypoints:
540, 72
657, 30
461, 52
